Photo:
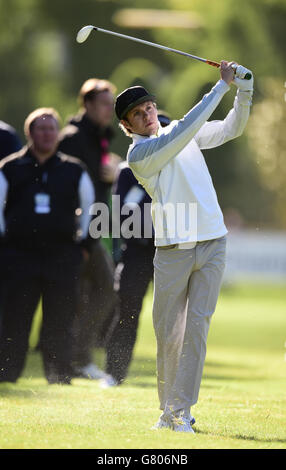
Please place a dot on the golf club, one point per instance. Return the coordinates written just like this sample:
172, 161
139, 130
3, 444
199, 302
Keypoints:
84, 32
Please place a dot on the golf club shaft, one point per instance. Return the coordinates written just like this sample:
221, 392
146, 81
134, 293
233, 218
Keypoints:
159, 46
169, 49
83, 34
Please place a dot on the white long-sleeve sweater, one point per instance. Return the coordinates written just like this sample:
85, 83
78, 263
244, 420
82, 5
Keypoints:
172, 169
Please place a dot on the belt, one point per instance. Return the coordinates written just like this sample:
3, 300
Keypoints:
179, 246
187, 245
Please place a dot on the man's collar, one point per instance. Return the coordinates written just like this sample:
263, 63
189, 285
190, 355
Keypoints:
48, 161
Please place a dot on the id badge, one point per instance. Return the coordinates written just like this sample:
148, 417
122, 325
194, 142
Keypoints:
42, 203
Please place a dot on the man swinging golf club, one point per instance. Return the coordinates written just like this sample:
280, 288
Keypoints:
188, 264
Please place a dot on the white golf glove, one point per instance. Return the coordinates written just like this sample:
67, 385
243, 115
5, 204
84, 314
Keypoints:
240, 82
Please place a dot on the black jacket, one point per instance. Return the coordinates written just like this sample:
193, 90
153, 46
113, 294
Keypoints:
41, 200
130, 191
83, 139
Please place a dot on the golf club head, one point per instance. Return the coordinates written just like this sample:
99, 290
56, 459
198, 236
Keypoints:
83, 33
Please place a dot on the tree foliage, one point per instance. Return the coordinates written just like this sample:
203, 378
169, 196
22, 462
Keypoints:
42, 65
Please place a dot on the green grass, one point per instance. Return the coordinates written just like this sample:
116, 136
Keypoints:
242, 402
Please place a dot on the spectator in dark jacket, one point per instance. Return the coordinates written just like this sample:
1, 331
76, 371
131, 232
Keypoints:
10, 142
87, 136
44, 219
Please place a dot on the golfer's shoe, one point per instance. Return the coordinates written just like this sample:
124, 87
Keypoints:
162, 423
108, 381
171, 423
181, 424
90, 371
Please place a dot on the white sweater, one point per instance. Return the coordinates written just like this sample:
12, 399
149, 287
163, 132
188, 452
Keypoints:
172, 169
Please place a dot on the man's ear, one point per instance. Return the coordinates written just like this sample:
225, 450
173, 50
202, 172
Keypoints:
126, 124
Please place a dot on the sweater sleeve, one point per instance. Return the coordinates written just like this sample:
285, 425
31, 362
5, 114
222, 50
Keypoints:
149, 156
215, 133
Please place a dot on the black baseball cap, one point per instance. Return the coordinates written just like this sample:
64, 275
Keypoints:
130, 98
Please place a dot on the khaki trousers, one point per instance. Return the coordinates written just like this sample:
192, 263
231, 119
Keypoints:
186, 289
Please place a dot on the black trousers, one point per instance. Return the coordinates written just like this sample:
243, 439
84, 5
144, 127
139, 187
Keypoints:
50, 273
97, 306
134, 279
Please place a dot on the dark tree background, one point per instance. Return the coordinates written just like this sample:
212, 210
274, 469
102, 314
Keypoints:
42, 65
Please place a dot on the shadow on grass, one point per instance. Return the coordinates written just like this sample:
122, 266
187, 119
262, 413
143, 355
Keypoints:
140, 371
242, 437
230, 371
140, 366
253, 438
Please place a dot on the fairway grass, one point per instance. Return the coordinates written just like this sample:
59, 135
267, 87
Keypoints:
242, 402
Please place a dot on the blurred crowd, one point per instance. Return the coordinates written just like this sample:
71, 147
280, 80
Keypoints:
90, 296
